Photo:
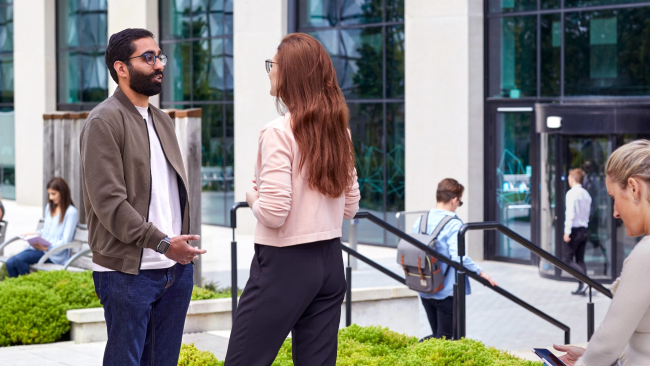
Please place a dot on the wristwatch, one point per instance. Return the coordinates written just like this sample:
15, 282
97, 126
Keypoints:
164, 245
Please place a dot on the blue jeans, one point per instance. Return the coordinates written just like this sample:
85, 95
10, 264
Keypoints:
145, 314
18, 265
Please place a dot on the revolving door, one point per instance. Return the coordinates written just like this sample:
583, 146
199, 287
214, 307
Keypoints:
584, 136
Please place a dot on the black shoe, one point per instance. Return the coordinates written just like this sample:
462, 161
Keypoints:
582, 290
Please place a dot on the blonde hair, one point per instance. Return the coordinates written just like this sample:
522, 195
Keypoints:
631, 160
577, 174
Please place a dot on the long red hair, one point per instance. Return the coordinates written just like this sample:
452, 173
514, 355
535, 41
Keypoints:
307, 86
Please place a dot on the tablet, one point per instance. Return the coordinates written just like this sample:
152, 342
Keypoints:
547, 357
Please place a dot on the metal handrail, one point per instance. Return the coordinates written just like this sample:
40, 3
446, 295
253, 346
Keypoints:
384, 270
461, 281
400, 213
493, 225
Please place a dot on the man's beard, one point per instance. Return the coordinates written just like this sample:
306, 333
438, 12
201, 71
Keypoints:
144, 84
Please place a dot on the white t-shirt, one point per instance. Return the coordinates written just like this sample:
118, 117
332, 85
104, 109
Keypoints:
165, 207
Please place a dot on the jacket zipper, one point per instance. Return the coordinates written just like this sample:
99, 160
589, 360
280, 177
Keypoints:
150, 185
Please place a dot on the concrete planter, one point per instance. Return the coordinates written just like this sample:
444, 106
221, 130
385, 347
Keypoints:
392, 307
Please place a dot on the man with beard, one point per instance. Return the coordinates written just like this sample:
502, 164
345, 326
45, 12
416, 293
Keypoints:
136, 199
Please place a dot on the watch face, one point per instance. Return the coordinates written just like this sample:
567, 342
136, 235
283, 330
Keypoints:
163, 246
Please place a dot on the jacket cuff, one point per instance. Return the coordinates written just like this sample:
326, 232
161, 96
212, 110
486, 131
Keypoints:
155, 239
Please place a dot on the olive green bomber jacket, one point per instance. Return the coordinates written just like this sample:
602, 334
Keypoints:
116, 181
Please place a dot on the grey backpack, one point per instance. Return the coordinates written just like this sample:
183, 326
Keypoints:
423, 272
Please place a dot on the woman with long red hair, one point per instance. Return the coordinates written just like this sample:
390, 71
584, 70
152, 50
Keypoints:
305, 186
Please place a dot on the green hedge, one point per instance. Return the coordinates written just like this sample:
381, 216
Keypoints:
376, 346
34, 306
192, 356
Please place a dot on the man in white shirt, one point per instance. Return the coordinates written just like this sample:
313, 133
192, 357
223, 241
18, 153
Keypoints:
578, 206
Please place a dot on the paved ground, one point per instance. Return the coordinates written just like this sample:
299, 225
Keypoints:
491, 319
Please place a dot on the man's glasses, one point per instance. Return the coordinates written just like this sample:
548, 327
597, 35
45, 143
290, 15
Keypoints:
150, 58
269, 65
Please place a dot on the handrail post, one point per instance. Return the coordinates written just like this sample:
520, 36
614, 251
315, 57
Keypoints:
460, 281
590, 317
233, 257
348, 295
353, 238
233, 275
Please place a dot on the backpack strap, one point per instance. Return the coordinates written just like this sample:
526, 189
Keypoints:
424, 221
441, 226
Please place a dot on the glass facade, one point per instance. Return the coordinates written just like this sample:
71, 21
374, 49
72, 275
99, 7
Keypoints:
82, 79
7, 143
540, 53
587, 48
197, 36
365, 39
514, 172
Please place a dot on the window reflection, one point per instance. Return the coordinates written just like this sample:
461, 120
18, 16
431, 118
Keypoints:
514, 173
7, 132
608, 52
82, 79
197, 37
513, 57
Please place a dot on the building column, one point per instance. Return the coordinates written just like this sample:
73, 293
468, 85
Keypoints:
444, 105
34, 91
124, 14
259, 28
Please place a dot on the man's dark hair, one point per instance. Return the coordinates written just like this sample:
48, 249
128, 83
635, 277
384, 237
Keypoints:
121, 47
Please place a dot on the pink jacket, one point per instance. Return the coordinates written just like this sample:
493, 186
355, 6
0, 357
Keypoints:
288, 212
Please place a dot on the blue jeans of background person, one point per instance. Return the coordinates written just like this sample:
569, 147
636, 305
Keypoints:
145, 314
18, 265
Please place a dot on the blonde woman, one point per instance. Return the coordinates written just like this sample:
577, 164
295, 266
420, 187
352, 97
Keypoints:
624, 336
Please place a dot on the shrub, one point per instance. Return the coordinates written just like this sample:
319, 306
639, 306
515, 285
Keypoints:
3, 272
376, 346
192, 356
76, 289
208, 292
30, 314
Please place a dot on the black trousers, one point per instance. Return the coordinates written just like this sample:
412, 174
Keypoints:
441, 316
297, 289
575, 249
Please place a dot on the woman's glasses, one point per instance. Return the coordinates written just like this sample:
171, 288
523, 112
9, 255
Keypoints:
150, 58
269, 65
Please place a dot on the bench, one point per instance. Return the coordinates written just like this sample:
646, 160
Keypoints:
80, 254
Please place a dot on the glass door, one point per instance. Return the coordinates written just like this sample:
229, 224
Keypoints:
590, 153
559, 155
513, 182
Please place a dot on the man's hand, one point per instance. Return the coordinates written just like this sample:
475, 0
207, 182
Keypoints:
488, 278
181, 252
251, 197
567, 238
573, 353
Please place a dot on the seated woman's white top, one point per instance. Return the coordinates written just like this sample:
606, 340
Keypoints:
59, 232
625, 332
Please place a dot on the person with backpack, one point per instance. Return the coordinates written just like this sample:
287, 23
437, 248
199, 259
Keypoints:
438, 300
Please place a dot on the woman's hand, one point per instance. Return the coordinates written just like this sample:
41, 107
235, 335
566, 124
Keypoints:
572, 355
488, 278
251, 197
32, 234
40, 247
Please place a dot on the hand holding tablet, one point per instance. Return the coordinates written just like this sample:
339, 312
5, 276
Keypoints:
547, 357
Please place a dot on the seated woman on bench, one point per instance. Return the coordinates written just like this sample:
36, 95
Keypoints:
61, 218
